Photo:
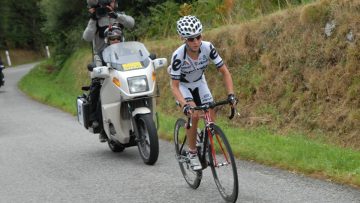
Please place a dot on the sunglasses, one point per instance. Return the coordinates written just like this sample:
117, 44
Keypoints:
191, 39
114, 38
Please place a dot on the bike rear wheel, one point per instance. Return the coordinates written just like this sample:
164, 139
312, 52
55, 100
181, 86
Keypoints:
222, 163
193, 178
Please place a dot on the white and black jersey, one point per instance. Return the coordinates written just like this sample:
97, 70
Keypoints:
187, 70
190, 72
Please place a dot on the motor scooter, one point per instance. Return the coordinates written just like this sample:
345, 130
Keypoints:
127, 95
2, 77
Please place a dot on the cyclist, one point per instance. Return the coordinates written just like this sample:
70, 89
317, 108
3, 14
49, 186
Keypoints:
188, 83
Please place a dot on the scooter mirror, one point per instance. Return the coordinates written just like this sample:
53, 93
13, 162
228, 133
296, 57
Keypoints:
100, 72
160, 62
91, 66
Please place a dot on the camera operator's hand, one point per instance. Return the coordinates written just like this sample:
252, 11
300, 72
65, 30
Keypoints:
92, 13
112, 14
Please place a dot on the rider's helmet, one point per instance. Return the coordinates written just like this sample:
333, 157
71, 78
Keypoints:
113, 32
189, 26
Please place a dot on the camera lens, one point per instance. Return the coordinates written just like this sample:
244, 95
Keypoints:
101, 12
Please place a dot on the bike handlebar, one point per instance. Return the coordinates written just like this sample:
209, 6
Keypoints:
210, 106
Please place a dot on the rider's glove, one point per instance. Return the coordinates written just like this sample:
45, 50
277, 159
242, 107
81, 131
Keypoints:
231, 99
112, 14
186, 109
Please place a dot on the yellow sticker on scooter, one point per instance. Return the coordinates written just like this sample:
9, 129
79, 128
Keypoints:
132, 66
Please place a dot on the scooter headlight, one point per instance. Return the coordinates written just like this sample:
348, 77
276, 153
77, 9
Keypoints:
138, 84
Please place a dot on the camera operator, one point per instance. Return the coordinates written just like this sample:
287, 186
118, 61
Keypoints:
102, 14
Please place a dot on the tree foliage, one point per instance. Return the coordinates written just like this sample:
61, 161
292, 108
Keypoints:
64, 25
60, 23
20, 24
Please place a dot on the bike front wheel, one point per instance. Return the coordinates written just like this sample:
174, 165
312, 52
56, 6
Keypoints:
193, 178
222, 163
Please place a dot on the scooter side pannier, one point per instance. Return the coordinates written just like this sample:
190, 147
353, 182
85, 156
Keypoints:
83, 111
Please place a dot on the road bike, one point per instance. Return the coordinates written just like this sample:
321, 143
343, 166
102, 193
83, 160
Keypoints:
213, 150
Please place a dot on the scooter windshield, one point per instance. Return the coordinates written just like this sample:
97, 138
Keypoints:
125, 56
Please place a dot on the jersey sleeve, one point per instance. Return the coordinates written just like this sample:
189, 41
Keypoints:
215, 57
175, 71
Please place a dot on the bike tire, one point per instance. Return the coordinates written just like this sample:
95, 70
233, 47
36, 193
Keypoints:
148, 144
193, 178
222, 164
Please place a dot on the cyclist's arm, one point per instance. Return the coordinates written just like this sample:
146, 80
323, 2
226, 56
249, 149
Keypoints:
176, 92
227, 79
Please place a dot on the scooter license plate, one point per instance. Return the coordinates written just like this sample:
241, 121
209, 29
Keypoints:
132, 66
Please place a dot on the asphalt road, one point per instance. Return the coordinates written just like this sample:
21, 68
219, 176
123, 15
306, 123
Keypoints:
46, 156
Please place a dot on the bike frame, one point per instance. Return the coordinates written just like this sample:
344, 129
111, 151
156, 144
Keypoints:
206, 139
214, 151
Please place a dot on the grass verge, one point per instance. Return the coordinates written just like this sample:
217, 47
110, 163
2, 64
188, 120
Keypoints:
293, 152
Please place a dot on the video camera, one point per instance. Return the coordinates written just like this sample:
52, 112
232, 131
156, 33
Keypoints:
100, 6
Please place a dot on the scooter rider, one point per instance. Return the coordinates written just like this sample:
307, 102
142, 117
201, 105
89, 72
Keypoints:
113, 35
188, 84
2, 79
102, 14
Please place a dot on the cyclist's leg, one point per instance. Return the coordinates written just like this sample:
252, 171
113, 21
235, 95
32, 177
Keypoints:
192, 99
191, 133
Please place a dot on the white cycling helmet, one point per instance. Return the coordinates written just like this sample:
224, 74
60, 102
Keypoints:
189, 26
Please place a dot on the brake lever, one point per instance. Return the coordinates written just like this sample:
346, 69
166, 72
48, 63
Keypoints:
232, 114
